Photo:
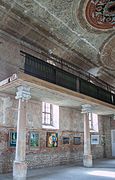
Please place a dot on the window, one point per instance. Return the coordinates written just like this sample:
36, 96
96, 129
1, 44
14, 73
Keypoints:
93, 122
50, 116
47, 114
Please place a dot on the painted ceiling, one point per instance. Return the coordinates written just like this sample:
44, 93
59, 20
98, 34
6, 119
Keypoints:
79, 31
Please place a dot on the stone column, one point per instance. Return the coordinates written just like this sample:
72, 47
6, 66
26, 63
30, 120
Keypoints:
87, 159
20, 166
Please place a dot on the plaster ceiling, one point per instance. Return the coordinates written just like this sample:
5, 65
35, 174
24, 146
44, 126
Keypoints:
61, 28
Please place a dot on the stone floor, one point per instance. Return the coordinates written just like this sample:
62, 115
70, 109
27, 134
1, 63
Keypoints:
101, 170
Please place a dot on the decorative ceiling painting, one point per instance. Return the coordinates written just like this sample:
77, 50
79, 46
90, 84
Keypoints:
101, 13
107, 55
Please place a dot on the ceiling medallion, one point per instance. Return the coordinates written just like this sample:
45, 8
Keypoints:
101, 13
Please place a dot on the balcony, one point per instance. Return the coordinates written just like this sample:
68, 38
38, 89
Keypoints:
69, 77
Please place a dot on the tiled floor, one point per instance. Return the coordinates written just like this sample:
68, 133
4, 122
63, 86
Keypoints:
101, 170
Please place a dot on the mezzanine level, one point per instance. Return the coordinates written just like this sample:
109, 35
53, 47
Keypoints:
69, 77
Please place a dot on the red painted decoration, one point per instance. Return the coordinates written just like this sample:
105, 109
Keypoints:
101, 13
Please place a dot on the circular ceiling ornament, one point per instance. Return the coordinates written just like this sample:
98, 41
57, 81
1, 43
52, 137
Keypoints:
101, 13
107, 56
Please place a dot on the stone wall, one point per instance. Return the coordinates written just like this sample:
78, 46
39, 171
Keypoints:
63, 154
107, 136
11, 57
10, 60
70, 126
6, 153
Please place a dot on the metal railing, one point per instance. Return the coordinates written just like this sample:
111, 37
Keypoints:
69, 77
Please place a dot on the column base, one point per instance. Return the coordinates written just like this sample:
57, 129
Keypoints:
87, 161
19, 170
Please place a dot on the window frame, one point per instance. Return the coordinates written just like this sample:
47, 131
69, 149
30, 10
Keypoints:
45, 120
92, 124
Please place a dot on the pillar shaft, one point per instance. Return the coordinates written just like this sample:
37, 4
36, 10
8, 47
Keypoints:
20, 166
87, 145
87, 159
21, 132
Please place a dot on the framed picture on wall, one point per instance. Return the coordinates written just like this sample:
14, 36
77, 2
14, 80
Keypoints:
34, 139
65, 140
76, 140
94, 139
12, 138
52, 139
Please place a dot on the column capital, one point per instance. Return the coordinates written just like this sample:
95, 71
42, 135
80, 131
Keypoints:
23, 92
86, 108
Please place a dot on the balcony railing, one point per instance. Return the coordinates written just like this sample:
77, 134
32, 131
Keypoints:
80, 82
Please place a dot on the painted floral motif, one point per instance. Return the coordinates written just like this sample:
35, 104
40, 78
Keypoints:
101, 13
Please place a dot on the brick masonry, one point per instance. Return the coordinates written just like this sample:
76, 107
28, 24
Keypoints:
71, 125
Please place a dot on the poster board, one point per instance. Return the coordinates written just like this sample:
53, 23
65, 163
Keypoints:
94, 139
